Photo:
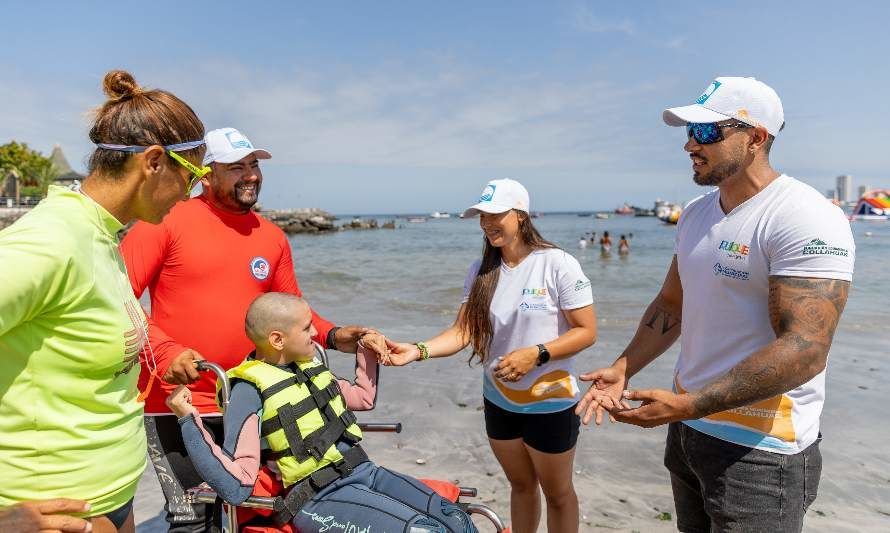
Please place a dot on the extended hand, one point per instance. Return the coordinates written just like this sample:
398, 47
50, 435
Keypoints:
376, 343
45, 515
401, 353
604, 394
346, 338
659, 407
516, 364
180, 402
183, 371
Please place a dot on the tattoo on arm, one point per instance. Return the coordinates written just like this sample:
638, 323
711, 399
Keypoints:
804, 313
660, 311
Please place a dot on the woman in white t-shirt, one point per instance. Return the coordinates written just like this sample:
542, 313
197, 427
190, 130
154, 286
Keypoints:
527, 310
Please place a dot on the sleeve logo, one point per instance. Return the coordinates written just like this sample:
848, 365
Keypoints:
820, 247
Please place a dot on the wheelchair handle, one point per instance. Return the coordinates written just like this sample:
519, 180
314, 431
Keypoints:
381, 427
221, 377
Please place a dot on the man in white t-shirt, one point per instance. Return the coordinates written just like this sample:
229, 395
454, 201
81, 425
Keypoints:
759, 279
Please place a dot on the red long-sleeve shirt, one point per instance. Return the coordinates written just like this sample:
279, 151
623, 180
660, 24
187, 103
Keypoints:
203, 267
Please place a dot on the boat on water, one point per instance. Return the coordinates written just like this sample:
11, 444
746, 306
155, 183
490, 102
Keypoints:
671, 214
625, 209
416, 219
438, 214
874, 205
584, 214
602, 216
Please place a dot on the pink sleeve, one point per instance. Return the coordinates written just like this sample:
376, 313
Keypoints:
361, 394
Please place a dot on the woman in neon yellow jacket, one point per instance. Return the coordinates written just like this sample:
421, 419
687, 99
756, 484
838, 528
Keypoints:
71, 331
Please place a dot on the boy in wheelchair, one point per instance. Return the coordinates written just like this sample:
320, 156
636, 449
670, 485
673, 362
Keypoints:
288, 412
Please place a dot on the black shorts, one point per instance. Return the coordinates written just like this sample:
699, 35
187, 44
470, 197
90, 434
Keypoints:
546, 432
119, 515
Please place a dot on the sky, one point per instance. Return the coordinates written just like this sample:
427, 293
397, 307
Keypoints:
412, 106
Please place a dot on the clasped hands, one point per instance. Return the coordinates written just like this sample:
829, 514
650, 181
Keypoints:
607, 394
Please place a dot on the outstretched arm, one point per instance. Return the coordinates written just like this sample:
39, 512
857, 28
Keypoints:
659, 328
361, 394
448, 342
804, 313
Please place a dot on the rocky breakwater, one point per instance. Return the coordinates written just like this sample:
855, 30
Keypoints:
314, 220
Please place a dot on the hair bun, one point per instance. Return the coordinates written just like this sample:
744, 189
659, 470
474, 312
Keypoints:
120, 84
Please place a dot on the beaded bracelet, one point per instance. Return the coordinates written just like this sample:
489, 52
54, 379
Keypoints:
424, 350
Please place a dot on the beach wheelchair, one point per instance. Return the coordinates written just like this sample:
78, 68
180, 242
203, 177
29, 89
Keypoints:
254, 515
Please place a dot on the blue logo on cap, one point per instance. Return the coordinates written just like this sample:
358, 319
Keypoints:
239, 141
487, 193
708, 92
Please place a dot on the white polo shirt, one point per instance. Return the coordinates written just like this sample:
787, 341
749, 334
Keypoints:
725, 262
526, 310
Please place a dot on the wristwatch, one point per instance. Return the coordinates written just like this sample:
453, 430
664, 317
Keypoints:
543, 354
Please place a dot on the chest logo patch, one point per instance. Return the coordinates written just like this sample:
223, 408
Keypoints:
259, 268
729, 272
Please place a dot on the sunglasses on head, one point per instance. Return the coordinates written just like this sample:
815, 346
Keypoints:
196, 172
710, 132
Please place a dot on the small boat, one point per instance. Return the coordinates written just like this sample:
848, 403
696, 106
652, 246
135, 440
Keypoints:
438, 214
584, 214
602, 216
416, 219
874, 205
625, 210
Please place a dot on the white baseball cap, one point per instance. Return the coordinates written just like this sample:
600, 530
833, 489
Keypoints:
500, 196
744, 99
227, 145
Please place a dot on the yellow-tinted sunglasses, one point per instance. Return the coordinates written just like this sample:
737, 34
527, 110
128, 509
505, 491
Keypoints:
197, 172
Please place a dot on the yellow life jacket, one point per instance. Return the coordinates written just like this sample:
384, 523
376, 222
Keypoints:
304, 415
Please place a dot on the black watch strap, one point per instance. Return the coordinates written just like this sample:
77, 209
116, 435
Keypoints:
329, 340
543, 354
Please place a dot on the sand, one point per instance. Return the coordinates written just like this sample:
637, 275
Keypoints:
621, 483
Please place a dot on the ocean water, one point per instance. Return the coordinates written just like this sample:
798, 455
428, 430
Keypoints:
407, 282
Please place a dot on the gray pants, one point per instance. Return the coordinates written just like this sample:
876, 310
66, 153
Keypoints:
720, 486
373, 499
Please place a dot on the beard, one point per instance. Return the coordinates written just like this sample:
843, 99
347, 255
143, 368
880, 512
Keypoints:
720, 171
244, 198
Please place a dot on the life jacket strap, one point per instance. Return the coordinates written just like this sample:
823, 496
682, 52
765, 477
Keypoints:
284, 509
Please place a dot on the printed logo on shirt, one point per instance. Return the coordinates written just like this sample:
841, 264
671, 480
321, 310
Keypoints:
581, 284
259, 267
734, 250
525, 306
820, 247
534, 292
487, 193
134, 339
729, 272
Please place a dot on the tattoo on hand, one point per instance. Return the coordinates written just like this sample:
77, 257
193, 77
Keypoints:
668, 321
804, 313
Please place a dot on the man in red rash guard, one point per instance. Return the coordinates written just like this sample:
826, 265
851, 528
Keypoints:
203, 266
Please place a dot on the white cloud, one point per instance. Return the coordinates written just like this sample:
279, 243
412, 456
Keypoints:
584, 19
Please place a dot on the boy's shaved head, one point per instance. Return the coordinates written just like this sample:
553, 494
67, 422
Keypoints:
272, 311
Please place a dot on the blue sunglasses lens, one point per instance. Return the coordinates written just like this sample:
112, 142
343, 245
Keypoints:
704, 133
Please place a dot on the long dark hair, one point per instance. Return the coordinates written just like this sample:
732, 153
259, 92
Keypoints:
474, 323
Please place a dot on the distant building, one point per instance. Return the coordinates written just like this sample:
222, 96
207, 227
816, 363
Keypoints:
863, 189
845, 188
831, 194
67, 175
